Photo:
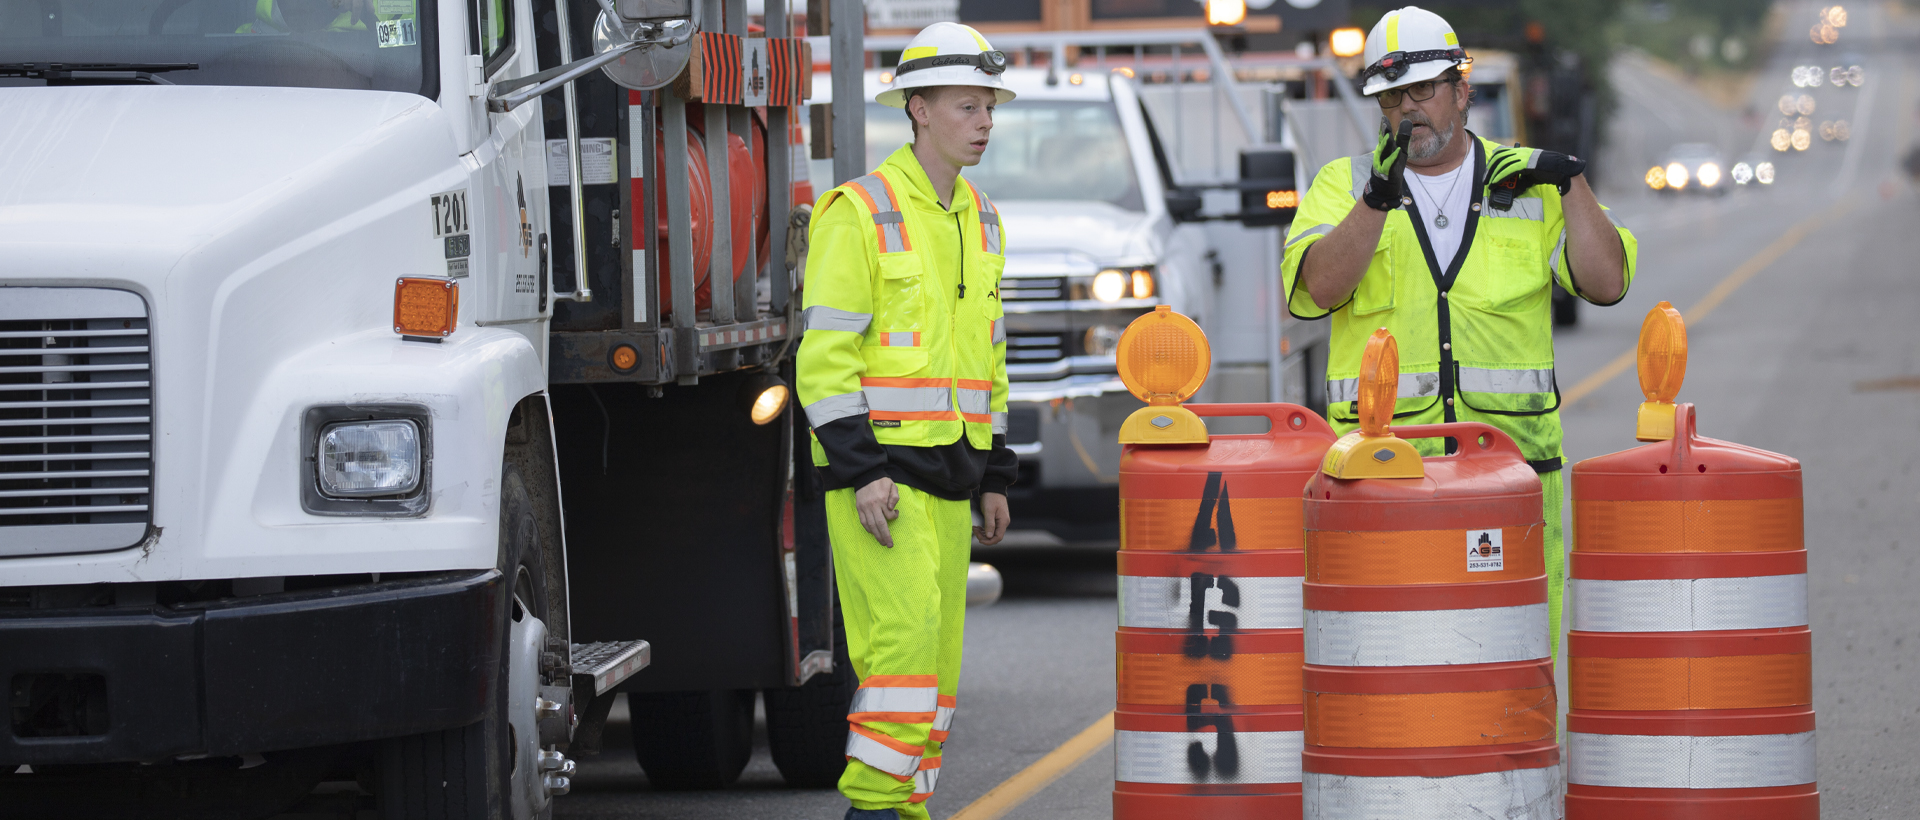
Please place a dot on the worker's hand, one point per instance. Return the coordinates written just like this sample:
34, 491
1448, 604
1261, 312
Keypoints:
1385, 188
877, 503
1533, 167
993, 514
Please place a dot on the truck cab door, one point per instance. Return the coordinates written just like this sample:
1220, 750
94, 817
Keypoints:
508, 268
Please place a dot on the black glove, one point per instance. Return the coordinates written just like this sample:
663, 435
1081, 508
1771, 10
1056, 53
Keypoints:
1386, 187
1527, 167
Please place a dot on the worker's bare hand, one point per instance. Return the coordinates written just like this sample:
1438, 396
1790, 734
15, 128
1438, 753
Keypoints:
993, 514
877, 503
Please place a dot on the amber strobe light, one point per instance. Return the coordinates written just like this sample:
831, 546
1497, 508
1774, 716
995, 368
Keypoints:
1663, 366
425, 307
1347, 42
1163, 359
1373, 451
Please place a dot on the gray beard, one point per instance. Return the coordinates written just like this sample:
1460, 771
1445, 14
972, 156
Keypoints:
1434, 144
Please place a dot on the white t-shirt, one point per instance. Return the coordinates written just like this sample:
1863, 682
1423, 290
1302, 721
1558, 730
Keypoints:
1447, 194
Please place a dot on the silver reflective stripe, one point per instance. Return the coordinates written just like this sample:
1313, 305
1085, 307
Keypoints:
999, 331
909, 399
1559, 246
1683, 762
1614, 219
833, 408
821, 317
880, 756
943, 718
1317, 230
1412, 386
1156, 602
1689, 604
887, 214
1166, 757
1362, 167
976, 402
925, 779
898, 339
1520, 794
1000, 423
900, 699
1438, 637
1527, 208
989, 220
1490, 380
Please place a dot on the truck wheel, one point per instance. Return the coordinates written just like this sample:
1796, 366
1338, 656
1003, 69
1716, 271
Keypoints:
1566, 308
807, 725
692, 740
491, 769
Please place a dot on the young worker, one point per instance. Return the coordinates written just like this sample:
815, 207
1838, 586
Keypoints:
1458, 259
903, 374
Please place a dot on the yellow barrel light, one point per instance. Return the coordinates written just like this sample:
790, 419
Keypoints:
1373, 451
1163, 359
1663, 366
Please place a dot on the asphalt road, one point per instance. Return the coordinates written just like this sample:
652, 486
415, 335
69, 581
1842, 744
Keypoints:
1814, 351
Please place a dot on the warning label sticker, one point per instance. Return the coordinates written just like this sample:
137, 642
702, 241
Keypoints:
1483, 551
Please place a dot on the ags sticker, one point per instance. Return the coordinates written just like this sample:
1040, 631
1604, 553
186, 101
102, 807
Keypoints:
1483, 551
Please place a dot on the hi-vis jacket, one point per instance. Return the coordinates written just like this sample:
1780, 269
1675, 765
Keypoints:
1475, 338
915, 343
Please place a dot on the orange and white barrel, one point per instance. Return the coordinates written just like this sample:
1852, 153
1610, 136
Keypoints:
1429, 679
1209, 649
1690, 655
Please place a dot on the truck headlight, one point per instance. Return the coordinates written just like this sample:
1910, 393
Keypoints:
366, 459
1100, 340
1110, 285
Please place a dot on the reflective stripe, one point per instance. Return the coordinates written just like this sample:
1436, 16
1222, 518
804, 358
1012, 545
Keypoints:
943, 716
1554, 264
1527, 208
1158, 602
976, 403
883, 753
834, 408
925, 779
989, 221
1490, 380
1362, 167
900, 339
1428, 638
1519, 794
908, 398
1683, 762
1170, 757
893, 704
821, 317
1317, 230
888, 222
998, 332
1614, 219
1000, 423
1412, 386
1689, 604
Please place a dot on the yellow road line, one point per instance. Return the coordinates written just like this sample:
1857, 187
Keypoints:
1740, 276
1016, 789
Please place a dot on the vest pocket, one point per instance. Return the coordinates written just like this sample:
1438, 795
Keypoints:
1375, 292
899, 300
884, 362
1513, 275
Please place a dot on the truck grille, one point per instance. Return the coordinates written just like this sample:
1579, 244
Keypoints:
76, 426
1037, 289
1031, 348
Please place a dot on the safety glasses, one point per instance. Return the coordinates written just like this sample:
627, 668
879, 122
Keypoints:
990, 62
1420, 92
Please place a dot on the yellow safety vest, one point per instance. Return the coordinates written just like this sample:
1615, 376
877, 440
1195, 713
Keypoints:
1475, 339
881, 338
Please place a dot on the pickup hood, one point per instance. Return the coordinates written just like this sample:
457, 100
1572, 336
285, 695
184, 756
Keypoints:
1100, 231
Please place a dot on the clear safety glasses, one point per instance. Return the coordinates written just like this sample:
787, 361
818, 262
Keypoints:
1420, 92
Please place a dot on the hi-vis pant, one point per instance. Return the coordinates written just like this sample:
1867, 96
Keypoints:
1553, 497
904, 608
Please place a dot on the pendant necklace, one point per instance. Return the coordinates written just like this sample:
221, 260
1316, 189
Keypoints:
1439, 218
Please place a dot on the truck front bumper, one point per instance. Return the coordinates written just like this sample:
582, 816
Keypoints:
253, 674
1066, 433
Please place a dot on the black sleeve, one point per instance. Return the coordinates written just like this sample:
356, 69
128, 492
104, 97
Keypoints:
854, 456
1002, 467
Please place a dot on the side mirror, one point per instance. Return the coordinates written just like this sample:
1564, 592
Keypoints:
1269, 193
1183, 204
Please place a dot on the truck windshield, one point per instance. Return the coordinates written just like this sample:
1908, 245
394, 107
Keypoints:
380, 45
1044, 149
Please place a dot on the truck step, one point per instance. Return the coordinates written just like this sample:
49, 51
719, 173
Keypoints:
610, 662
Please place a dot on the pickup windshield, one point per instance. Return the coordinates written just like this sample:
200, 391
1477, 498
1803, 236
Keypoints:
1044, 149
380, 45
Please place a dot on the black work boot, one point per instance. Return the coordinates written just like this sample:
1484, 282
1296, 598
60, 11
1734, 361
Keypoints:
871, 814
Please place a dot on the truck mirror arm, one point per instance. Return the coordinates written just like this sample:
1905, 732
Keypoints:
508, 94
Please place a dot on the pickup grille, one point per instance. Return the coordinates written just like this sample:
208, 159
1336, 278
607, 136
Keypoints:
1038, 289
1033, 348
76, 426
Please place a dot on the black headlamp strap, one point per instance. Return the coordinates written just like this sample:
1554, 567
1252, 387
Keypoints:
1396, 64
991, 62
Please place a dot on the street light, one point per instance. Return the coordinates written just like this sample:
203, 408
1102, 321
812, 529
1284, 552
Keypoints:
1226, 12
1347, 42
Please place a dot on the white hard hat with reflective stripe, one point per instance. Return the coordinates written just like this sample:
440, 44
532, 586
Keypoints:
1408, 46
947, 54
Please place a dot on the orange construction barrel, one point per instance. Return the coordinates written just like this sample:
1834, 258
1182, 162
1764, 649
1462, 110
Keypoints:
1209, 722
1690, 665
1429, 679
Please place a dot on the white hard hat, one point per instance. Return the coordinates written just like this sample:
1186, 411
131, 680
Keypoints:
947, 54
1408, 46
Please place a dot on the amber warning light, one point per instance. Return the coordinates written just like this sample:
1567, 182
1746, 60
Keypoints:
1373, 451
1663, 366
427, 308
1163, 359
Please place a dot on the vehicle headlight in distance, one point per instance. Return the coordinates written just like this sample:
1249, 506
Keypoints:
1142, 281
1100, 340
1781, 140
1656, 177
1742, 173
1708, 174
1111, 285
1764, 173
1676, 175
367, 459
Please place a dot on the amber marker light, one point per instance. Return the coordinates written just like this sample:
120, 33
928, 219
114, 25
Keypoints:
1283, 199
427, 308
1662, 356
1226, 12
1163, 359
624, 358
1373, 451
1347, 42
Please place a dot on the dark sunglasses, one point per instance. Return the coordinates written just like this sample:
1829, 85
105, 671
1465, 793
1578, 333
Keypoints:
1420, 92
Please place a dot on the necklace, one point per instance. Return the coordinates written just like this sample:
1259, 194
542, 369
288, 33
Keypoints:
1439, 218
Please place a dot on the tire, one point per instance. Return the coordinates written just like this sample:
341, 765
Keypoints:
692, 740
807, 725
467, 772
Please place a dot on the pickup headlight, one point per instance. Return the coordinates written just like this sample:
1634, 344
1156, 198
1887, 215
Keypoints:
367, 459
1114, 284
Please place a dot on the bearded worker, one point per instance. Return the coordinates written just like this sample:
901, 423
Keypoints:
903, 374
1458, 259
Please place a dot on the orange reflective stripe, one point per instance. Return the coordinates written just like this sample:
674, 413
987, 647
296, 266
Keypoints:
1416, 557
1261, 679
900, 680
906, 244
880, 738
921, 415
974, 384
873, 381
1659, 684
1167, 523
1411, 721
1765, 525
899, 339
